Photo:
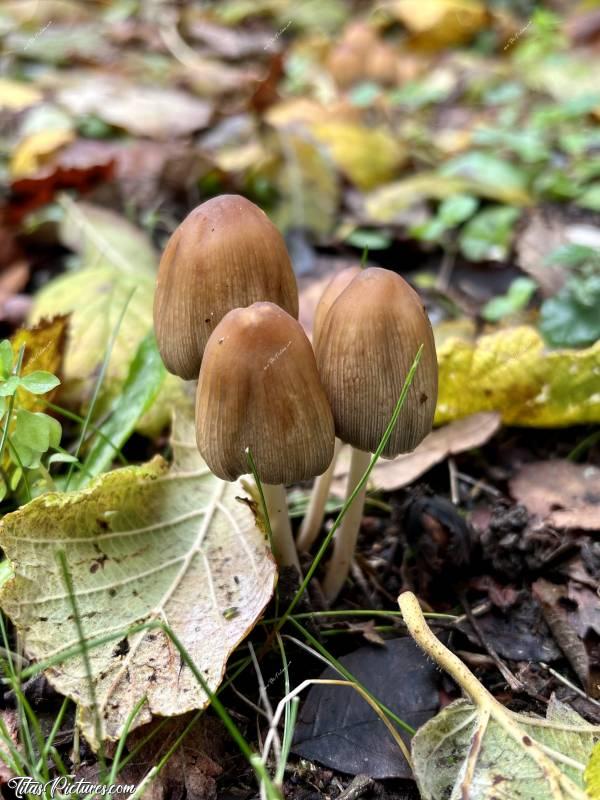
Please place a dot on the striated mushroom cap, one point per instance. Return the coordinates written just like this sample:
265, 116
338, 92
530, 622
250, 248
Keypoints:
225, 254
259, 388
366, 346
336, 285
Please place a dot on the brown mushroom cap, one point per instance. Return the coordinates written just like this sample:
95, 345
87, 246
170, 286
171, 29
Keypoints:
225, 254
335, 286
259, 388
366, 346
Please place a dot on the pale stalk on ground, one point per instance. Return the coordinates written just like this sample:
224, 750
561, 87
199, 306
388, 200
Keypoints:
488, 705
344, 542
284, 547
313, 519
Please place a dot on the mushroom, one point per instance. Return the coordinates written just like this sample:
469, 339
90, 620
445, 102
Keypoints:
313, 519
225, 254
365, 348
259, 390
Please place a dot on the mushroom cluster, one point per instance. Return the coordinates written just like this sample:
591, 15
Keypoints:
225, 313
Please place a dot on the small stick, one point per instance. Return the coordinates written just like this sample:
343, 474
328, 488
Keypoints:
454, 490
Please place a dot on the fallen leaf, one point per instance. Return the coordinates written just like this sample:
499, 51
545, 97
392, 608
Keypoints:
337, 727
511, 371
43, 349
544, 231
551, 596
144, 543
435, 24
564, 494
34, 150
308, 184
18, 95
457, 437
142, 110
519, 632
10, 730
367, 156
463, 753
592, 774
118, 266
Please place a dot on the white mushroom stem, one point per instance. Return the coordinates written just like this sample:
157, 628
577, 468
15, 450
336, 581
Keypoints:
284, 547
344, 542
313, 519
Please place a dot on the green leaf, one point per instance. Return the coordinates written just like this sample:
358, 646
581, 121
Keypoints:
9, 386
143, 544
62, 458
518, 296
567, 322
498, 175
146, 375
488, 235
590, 197
463, 753
6, 358
371, 239
457, 209
34, 431
573, 255
39, 382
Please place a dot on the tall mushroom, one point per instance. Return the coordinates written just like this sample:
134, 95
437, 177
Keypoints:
225, 254
313, 519
259, 389
365, 348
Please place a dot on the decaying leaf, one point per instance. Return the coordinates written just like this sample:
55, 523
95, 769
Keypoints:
435, 24
457, 437
141, 110
336, 727
564, 494
480, 750
17, 95
511, 371
118, 269
592, 774
463, 753
43, 349
367, 156
142, 544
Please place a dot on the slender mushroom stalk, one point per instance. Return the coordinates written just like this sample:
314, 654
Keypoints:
313, 519
259, 389
226, 254
364, 351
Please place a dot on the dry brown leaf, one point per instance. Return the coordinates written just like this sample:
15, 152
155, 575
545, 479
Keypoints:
565, 494
457, 437
140, 109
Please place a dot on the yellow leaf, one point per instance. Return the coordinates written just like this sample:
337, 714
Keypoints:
17, 95
434, 24
366, 155
592, 774
44, 346
386, 202
512, 372
31, 153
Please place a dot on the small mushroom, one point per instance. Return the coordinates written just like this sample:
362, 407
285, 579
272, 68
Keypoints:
313, 519
259, 390
225, 254
365, 348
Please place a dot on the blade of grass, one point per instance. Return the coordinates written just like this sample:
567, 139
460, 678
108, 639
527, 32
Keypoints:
384, 440
145, 377
65, 412
99, 382
112, 777
333, 662
66, 575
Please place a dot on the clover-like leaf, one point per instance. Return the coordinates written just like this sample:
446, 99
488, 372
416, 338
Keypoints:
142, 544
39, 382
6, 358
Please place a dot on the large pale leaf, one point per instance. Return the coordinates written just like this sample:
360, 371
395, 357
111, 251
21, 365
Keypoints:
462, 753
118, 267
142, 543
511, 371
